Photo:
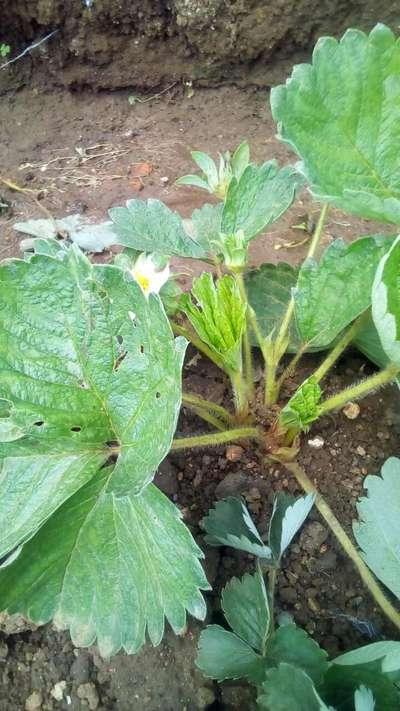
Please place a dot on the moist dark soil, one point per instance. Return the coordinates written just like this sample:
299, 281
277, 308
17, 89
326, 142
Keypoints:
40, 668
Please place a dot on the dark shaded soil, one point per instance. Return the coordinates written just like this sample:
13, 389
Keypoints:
318, 585
109, 45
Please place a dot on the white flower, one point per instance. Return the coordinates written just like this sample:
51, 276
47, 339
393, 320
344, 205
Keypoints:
147, 275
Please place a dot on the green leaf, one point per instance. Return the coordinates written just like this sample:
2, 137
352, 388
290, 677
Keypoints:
206, 226
378, 530
364, 699
331, 294
89, 369
108, 568
386, 303
340, 114
292, 645
229, 524
269, 290
387, 652
288, 688
240, 159
207, 165
259, 198
246, 608
342, 682
303, 407
219, 318
223, 655
368, 342
194, 180
152, 227
287, 518
90, 237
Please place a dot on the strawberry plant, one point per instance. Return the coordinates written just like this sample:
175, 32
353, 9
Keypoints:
90, 385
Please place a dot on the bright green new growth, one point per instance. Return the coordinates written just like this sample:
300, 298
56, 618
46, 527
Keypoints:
217, 179
303, 408
5, 49
90, 394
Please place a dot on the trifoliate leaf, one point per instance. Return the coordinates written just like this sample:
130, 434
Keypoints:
288, 688
269, 289
387, 652
246, 608
378, 530
259, 198
89, 370
364, 699
303, 407
223, 655
292, 645
229, 524
386, 303
150, 226
90, 237
219, 318
341, 683
109, 569
287, 518
332, 293
340, 114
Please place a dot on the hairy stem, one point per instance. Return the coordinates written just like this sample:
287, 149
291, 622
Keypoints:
199, 403
341, 345
346, 543
197, 342
239, 387
216, 438
248, 356
356, 392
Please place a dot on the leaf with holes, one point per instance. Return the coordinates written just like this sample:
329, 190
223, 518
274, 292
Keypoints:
378, 530
90, 373
340, 114
152, 227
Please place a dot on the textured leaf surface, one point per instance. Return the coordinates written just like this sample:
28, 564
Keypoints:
206, 226
152, 227
229, 524
246, 608
223, 655
288, 688
269, 290
259, 198
86, 363
292, 645
386, 303
108, 568
287, 518
219, 317
387, 652
341, 683
303, 407
332, 293
378, 530
341, 116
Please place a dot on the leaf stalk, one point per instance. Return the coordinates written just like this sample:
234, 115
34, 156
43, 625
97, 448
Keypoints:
216, 438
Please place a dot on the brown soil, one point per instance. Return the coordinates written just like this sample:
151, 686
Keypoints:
318, 584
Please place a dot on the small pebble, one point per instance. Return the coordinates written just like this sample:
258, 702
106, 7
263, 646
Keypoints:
89, 693
34, 701
351, 410
361, 451
3, 650
316, 443
234, 453
58, 689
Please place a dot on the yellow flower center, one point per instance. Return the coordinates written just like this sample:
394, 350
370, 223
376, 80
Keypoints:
144, 282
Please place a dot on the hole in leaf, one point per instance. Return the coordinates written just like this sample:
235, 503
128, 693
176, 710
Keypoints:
82, 384
158, 395
142, 348
39, 423
120, 338
76, 429
113, 443
119, 360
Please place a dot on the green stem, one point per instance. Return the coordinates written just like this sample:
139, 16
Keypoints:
272, 577
197, 342
248, 357
257, 332
291, 366
239, 388
341, 345
200, 403
346, 543
356, 392
280, 344
216, 438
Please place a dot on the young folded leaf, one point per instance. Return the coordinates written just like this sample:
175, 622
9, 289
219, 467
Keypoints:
303, 407
331, 294
229, 524
219, 318
288, 688
287, 518
378, 530
90, 372
364, 699
386, 303
340, 114
152, 227
216, 180
259, 198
